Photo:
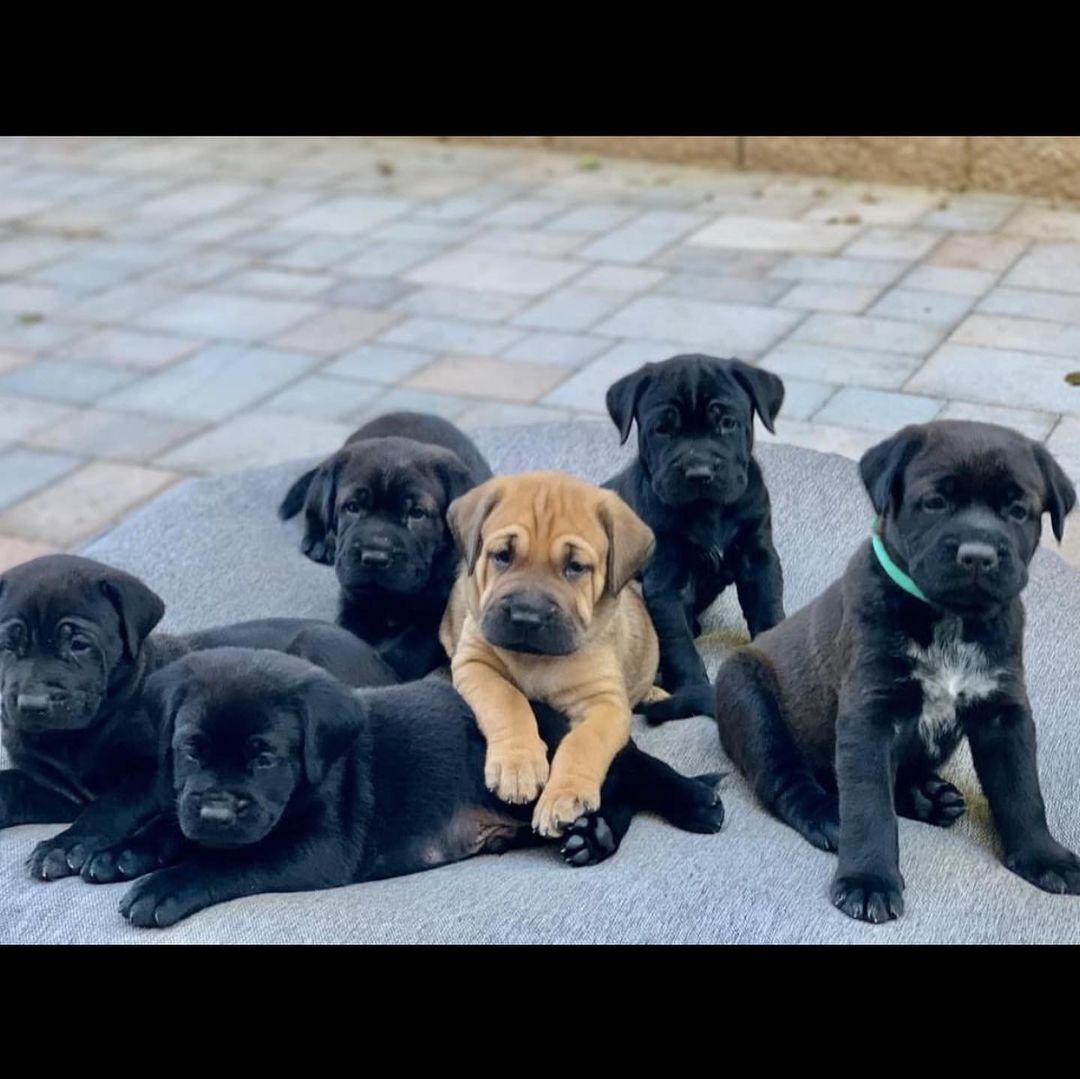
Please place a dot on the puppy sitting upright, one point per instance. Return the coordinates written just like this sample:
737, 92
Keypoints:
375, 511
696, 485
542, 610
868, 690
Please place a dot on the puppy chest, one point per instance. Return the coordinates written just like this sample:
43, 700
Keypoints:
952, 674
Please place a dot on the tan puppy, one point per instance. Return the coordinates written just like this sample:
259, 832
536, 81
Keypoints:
541, 610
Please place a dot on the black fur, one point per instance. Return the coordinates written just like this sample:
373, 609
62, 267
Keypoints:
274, 777
376, 512
75, 650
841, 716
696, 413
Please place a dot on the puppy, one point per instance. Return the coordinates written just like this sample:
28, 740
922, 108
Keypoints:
541, 609
841, 716
75, 650
275, 777
376, 512
696, 484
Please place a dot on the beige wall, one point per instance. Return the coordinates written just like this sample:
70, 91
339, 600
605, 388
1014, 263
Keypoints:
1046, 165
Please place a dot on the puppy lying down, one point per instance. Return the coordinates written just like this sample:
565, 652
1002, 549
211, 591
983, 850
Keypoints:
275, 777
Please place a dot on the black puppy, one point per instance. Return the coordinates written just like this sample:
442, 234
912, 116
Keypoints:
841, 716
275, 777
696, 484
75, 650
376, 512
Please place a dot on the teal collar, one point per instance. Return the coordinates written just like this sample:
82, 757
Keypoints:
899, 577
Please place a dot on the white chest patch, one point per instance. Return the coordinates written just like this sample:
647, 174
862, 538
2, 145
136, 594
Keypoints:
952, 672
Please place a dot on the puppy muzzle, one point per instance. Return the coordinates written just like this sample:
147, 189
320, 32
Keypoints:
362, 564
970, 573
699, 476
531, 623
48, 709
222, 819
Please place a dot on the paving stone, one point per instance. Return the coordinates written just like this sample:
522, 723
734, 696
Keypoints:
620, 279
130, 348
24, 252
262, 242
522, 213
323, 398
765, 234
1036, 223
403, 399
221, 314
469, 305
1023, 334
23, 471
970, 213
641, 237
956, 282
15, 551
596, 217
449, 335
872, 206
841, 271
429, 233
1064, 444
1055, 267
882, 243
10, 360
197, 270
725, 329
255, 440
121, 303
213, 384
717, 260
855, 331
277, 283
977, 251
841, 366
379, 363
24, 415
84, 273
876, 410
1030, 303
21, 333
1028, 421
848, 442
846, 299
348, 215
198, 200
730, 289
465, 207
367, 292
16, 296
999, 377
58, 380
803, 397
116, 436
495, 271
564, 349
316, 254
495, 414
914, 305
543, 244
570, 309
387, 258
482, 376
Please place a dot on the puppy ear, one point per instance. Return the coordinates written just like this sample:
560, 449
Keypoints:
1060, 493
332, 717
630, 541
765, 389
623, 397
882, 466
162, 694
320, 511
138, 608
453, 474
466, 516
293, 502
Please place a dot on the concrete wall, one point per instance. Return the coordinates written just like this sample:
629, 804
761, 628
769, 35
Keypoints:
1047, 165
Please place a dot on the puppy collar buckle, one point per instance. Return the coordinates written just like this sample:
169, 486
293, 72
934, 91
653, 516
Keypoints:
894, 572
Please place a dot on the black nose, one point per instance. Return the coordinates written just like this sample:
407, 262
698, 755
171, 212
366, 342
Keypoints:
528, 614
976, 557
374, 559
37, 704
698, 472
221, 809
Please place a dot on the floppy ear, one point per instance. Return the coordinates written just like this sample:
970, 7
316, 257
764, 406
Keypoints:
320, 511
162, 695
293, 502
630, 542
623, 397
1060, 493
883, 465
452, 473
138, 608
765, 389
466, 516
332, 718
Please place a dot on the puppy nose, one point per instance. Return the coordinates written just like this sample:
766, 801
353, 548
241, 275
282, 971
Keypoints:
374, 559
528, 615
219, 810
698, 472
36, 703
977, 557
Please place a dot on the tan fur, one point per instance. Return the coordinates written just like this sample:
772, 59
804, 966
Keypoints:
545, 514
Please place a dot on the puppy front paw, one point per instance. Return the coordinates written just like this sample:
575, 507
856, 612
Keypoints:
867, 897
703, 809
63, 855
135, 857
516, 770
165, 898
588, 840
562, 803
931, 800
1055, 869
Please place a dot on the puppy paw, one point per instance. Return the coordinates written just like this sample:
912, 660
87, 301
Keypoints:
703, 810
319, 550
62, 856
1054, 870
133, 858
656, 693
588, 840
867, 897
689, 701
562, 803
516, 771
164, 898
931, 800
813, 813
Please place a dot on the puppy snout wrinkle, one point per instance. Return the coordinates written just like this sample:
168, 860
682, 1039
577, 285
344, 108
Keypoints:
976, 557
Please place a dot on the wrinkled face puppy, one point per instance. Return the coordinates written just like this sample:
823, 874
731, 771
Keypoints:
545, 550
70, 629
382, 503
962, 504
695, 417
240, 735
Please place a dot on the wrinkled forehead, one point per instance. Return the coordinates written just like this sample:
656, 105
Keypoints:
693, 386
229, 718
547, 516
389, 473
44, 603
990, 465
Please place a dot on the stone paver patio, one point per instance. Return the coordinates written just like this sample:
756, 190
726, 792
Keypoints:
173, 307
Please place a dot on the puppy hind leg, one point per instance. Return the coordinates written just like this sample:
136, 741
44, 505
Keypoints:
756, 737
691, 803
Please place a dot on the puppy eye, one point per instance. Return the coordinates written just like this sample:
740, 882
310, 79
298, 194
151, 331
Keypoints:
265, 760
417, 513
79, 645
727, 424
191, 754
934, 504
351, 506
575, 568
664, 426
501, 558
1018, 511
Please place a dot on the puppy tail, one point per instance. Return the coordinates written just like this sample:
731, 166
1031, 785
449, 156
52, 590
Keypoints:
756, 736
293, 502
